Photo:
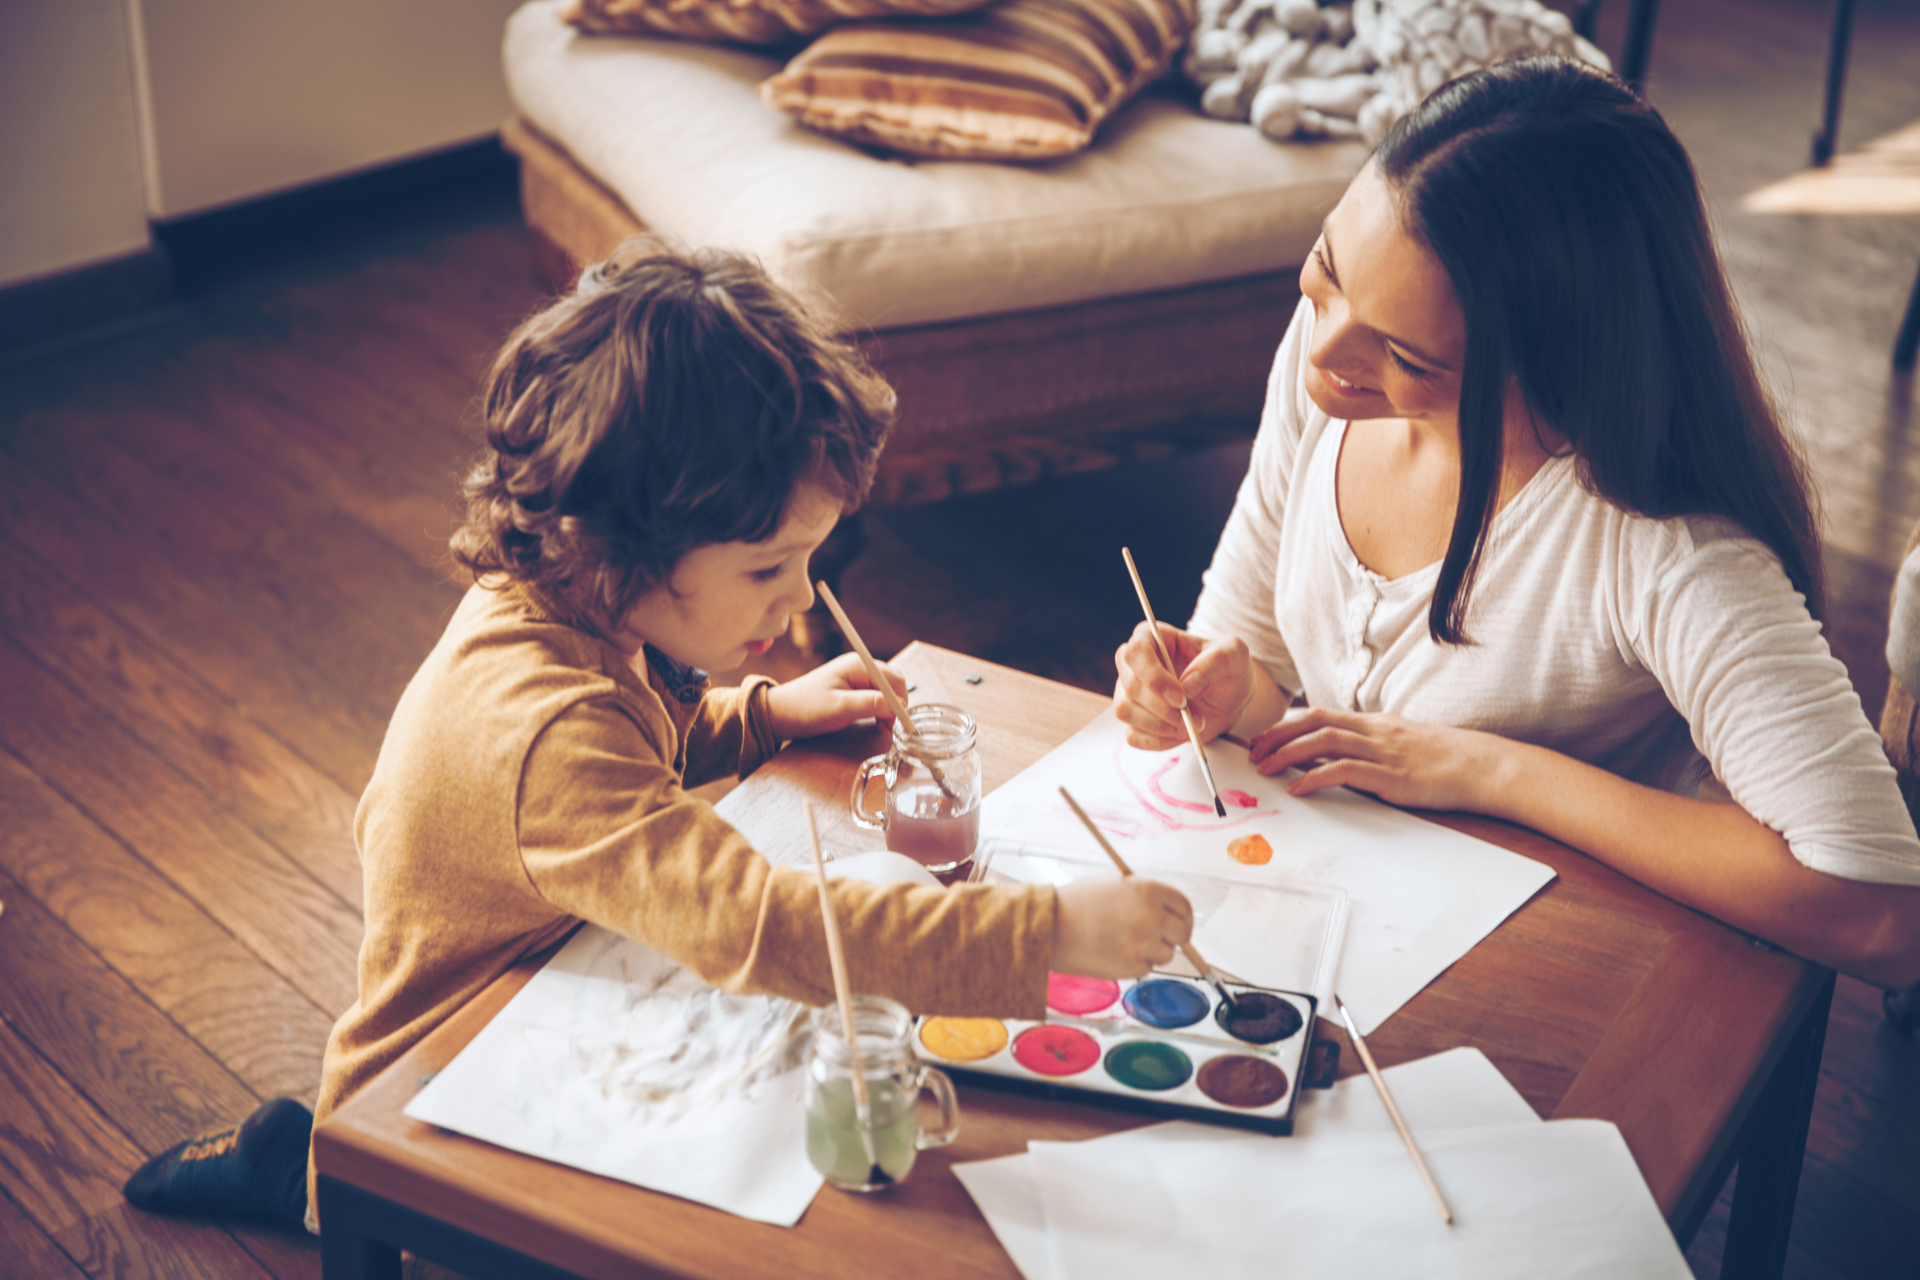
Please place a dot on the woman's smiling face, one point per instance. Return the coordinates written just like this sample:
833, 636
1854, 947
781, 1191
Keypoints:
1388, 336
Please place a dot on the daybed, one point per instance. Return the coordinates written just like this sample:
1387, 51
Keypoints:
1034, 318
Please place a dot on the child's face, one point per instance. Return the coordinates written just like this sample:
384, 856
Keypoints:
728, 600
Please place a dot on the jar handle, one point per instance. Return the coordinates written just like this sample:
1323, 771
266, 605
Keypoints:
935, 1079
862, 815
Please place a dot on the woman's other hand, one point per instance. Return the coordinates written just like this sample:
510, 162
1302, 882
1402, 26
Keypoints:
1117, 928
1216, 682
1401, 761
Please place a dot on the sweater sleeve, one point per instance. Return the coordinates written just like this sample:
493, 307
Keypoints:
1771, 708
1238, 591
607, 834
731, 734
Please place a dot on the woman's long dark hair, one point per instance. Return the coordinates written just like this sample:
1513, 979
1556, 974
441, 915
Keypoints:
1570, 221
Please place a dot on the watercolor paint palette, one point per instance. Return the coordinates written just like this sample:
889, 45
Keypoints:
1164, 1044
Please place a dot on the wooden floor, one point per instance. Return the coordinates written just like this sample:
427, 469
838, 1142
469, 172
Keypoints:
224, 557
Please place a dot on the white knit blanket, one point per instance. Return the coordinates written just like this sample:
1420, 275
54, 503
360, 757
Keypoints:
1296, 70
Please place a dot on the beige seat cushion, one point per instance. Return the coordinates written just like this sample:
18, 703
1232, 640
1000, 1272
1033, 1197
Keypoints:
1166, 198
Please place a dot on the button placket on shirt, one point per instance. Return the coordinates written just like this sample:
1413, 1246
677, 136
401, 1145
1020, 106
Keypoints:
1362, 603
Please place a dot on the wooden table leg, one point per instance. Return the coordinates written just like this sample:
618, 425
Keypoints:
347, 1251
362, 1234
1776, 1141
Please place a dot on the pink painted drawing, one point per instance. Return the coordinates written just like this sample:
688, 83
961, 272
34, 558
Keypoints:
1160, 813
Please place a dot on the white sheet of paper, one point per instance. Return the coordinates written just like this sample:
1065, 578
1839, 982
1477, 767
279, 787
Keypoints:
1562, 1198
1456, 1089
1419, 895
615, 1060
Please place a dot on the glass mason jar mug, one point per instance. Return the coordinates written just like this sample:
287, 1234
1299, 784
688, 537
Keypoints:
931, 811
894, 1079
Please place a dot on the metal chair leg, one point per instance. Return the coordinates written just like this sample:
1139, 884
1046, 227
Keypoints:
1908, 343
1638, 49
1838, 48
1586, 19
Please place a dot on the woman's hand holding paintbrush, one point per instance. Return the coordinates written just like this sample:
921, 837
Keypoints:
1166, 660
1213, 685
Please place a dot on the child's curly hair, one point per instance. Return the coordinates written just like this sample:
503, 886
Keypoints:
672, 401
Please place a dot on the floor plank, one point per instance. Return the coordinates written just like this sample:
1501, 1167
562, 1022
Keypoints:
29, 1251
63, 1164
146, 930
262, 782
246, 536
336, 727
284, 1252
283, 915
144, 1074
350, 445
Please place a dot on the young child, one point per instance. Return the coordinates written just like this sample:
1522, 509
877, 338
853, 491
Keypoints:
667, 447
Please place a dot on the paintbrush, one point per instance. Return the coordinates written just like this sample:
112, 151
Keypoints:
1207, 975
1393, 1111
885, 687
862, 1104
1166, 659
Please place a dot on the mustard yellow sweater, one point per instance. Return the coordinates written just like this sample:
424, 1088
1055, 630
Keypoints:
531, 780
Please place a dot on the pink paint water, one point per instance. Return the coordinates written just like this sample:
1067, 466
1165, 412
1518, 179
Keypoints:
1239, 799
925, 827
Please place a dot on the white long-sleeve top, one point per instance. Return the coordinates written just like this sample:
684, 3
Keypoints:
1651, 648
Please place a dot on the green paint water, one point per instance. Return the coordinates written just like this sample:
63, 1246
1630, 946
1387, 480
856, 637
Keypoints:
833, 1133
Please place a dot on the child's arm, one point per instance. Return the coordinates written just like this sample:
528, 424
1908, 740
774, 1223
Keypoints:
737, 730
606, 833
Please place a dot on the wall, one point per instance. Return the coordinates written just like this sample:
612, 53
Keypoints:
70, 189
116, 111
251, 97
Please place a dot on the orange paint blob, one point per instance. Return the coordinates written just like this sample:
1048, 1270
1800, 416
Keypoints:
1252, 850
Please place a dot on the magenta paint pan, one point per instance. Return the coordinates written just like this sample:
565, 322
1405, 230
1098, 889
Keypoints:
1162, 1044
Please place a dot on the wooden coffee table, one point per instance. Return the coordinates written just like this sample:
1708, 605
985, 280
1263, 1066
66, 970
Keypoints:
1599, 998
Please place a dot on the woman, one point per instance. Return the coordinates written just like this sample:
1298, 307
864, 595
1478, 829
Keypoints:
1524, 529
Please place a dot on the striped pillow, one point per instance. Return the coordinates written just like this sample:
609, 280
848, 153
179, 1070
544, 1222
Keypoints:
1023, 80
743, 21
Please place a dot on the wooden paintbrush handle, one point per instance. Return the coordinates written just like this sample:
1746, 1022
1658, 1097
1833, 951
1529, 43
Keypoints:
837, 959
881, 683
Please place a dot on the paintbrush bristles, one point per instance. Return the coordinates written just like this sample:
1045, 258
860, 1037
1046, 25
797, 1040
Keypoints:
1166, 660
1393, 1110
